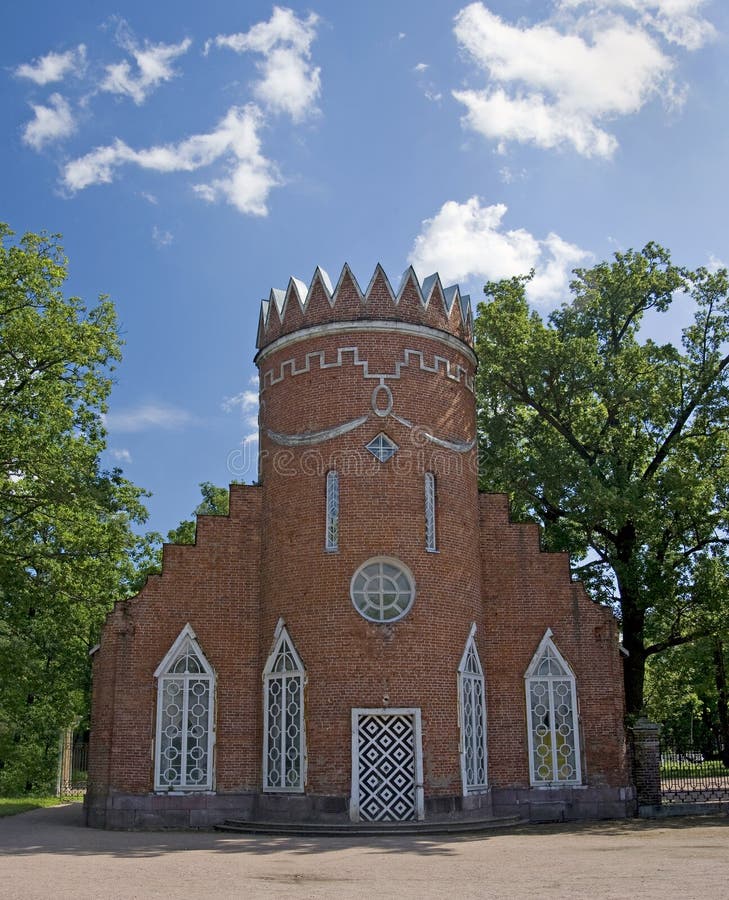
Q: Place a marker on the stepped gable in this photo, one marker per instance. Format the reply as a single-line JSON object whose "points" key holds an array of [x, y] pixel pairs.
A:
{"points": [[428, 303]]}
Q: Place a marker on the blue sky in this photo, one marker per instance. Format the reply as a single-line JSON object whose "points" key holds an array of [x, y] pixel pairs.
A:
{"points": [[196, 155]]}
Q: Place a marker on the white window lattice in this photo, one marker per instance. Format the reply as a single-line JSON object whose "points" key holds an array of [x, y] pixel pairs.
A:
{"points": [[184, 738], [472, 696], [381, 447], [551, 694], [283, 738], [332, 522], [382, 590], [430, 541]]}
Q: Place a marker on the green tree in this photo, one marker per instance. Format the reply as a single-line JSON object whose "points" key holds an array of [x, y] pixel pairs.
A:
{"points": [[65, 522], [614, 443]]}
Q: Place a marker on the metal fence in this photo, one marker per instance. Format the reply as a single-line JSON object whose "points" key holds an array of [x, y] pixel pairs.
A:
{"points": [[72, 766], [693, 775]]}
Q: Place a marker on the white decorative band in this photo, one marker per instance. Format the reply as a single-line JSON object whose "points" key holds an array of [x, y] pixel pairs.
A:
{"points": [[366, 326], [337, 358], [314, 437], [457, 446], [307, 438]]}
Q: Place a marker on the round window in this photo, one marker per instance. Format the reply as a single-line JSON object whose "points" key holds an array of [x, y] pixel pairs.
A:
{"points": [[382, 590]]}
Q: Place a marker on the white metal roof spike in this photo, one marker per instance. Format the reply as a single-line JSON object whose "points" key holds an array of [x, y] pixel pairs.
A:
{"points": [[380, 271], [466, 308], [262, 321], [346, 271], [428, 285], [449, 295], [277, 298], [301, 289], [325, 281], [409, 275]]}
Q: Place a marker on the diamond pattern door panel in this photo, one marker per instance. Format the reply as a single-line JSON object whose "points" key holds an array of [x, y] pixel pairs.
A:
{"points": [[386, 767]]}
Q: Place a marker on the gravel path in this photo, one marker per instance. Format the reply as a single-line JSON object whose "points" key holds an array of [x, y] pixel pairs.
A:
{"points": [[47, 853]]}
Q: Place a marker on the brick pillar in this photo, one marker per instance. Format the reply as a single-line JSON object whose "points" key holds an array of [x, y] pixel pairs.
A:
{"points": [[647, 762]]}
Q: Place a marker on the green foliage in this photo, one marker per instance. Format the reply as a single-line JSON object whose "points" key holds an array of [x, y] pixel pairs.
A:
{"points": [[65, 523], [615, 444]]}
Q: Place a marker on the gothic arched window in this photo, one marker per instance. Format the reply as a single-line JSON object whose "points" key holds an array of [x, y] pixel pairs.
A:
{"points": [[284, 748], [551, 695], [185, 722], [472, 703]]}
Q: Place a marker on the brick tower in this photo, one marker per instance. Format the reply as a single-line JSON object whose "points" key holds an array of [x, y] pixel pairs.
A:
{"points": [[364, 637]]}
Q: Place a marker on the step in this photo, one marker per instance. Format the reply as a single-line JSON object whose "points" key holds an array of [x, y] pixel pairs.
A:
{"points": [[379, 829]]}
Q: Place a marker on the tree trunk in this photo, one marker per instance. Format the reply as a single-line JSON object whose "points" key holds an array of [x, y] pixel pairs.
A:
{"points": [[633, 620], [722, 699]]}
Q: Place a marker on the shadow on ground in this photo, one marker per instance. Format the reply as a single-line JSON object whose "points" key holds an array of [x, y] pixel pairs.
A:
{"points": [[60, 830]]}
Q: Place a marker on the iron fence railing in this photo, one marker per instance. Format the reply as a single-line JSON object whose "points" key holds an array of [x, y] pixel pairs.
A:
{"points": [[693, 775], [72, 781]]}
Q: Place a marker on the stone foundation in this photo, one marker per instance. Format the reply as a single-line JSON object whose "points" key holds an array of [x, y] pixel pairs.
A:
{"points": [[153, 811], [565, 804]]}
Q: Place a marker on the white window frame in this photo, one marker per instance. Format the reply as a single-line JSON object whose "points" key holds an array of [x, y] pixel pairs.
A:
{"points": [[186, 642], [378, 562], [431, 543], [567, 675], [478, 682], [382, 447], [332, 511], [281, 638]]}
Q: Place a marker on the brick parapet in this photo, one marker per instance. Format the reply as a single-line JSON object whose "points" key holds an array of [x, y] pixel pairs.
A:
{"points": [[214, 585], [526, 591], [428, 304]]}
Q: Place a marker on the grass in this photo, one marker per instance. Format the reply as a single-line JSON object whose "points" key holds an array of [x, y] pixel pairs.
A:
{"points": [[11, 806], [705, 769]]}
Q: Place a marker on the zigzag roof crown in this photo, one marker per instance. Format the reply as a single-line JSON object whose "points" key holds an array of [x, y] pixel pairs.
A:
{"points": [[429, 304]]}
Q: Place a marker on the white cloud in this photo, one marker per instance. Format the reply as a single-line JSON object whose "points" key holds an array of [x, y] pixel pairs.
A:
{"points": [[509, 175], [147, 416], [120, 454], [150, 198], [245, 401], [247, 404], [51, 123], [53, 66], [560, 81], [161, 237], [421, 67], [153, 66], [246, 184], [465, 241], [678, 21], [288, 83], [715, 263]]}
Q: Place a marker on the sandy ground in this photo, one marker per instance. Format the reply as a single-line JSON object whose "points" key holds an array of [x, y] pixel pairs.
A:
{"points": [[47, 853]]}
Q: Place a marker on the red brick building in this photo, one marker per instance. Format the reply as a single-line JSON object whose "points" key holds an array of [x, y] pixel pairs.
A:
{"points": [[364, 636]]}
